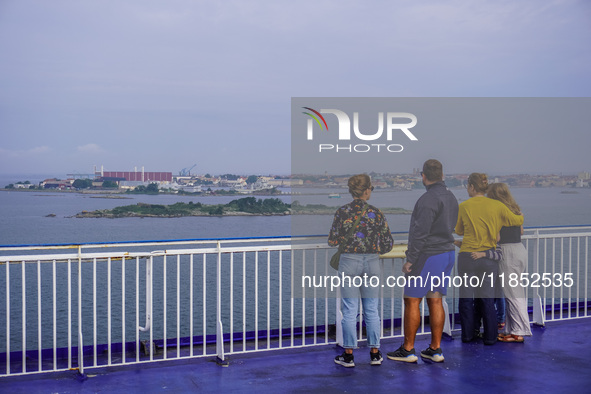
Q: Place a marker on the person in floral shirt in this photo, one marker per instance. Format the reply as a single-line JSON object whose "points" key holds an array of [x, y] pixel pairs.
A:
{"points": [[360, 257]]}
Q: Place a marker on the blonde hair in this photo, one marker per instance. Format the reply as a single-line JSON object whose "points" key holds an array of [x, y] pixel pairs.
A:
{"points": [[500, 192], [479, 181], [358, 184]]}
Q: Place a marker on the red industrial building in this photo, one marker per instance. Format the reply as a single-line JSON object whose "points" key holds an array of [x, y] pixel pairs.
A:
{"points": [[137, 176]]}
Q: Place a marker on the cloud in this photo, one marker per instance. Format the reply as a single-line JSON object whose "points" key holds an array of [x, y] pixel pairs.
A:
{"points": [[38, 150], [17, 153], [90, 148]]}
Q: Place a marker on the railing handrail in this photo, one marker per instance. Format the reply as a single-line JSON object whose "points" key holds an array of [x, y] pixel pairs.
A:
{"points": [[148, 242], [215, 242], [171, 252], [86, 245]]}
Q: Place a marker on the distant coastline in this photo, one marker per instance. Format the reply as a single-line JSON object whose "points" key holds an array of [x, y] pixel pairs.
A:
{"points": [[319, 209], [241, 185]]}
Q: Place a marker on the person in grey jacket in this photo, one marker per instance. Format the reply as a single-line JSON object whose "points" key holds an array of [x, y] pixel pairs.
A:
{"points": [[431, 252]]}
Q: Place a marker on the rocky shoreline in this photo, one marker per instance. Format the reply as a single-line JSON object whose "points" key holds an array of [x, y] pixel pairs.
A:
{"points": [[108, 215], [305, 210]]}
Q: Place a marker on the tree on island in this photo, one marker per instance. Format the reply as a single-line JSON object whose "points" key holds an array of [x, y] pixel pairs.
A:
{"points": [[25, 183], [453, 182], [218, 211], [252, 205], [251, 179], [152, 188], [82, 183], [110, 185]]}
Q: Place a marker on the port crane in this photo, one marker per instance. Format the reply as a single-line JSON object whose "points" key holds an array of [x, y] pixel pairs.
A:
{"points": [[186, 171]]}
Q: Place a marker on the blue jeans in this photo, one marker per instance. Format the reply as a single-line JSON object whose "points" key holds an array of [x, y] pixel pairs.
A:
{"points": [[482, 293], [356, 265]]}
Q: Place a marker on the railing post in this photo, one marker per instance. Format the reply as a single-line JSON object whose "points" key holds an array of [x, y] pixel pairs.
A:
{"points": [[219, 340], [538, 306], [446, 324], [148, 295], [81, 374], [7, 317], [148, 327]]}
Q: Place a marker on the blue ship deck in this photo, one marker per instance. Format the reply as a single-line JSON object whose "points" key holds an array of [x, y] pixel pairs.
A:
{"points": [[556, 359]]}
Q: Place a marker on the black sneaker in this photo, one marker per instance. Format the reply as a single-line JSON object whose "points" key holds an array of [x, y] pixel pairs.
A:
{"points": [[401, 354], [433, 354], [376, 358], [346, 360]]}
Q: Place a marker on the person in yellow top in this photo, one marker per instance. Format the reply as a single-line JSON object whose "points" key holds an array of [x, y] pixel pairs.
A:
{"points": [[480, 220]]}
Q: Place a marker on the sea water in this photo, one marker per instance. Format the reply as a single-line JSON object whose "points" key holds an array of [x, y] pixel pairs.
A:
{"points": [[39, 217]]}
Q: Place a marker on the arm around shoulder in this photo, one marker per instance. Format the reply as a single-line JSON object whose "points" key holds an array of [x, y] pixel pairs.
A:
{"points": [[513, 219]]}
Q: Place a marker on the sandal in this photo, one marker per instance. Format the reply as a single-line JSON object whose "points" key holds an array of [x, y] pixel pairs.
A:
{"points": [[501, 326], [510, 338]]}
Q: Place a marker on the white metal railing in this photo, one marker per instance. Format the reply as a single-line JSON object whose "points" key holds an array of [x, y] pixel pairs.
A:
{"points": [[92, 305], [556, 258]]}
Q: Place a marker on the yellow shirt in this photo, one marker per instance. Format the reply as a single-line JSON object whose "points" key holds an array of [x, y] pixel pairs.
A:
{"points": [[480, 219]]}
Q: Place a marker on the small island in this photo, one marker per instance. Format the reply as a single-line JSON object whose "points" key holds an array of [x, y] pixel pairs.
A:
{"points": [[241, 207]]}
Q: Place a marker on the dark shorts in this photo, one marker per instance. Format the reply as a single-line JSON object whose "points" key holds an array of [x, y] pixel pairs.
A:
{"points": [[426, 267]]}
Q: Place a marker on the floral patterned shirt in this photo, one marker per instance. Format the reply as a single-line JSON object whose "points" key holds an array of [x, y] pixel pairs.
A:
{"points": [[372, 234]]}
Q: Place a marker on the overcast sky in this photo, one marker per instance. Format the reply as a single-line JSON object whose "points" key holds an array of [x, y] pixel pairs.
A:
{"points": [[169, 84]]}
